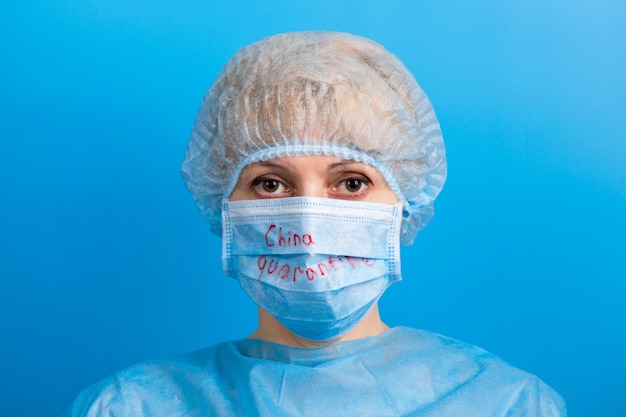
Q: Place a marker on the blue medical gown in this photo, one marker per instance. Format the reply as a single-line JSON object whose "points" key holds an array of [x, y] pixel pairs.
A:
{"points": [[403, 372]]}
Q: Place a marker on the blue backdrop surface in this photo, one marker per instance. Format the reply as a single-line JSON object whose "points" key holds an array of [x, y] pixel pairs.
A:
{"points": [[105, 261]]}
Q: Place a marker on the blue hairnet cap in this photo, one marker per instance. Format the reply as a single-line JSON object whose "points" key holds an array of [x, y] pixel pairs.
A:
{"points": [[327, 93]]}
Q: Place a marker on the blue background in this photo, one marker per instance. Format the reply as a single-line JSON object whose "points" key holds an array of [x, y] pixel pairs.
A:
{"points": [[105, 261]]}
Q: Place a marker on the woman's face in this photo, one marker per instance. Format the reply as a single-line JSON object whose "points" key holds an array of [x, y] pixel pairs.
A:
{"points": [[313, 176]]}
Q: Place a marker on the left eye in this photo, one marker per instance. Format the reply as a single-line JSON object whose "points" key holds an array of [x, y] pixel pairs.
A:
{"points": [[353, 185]]}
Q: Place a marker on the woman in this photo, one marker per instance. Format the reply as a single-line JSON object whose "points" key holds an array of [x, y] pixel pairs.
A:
{"points": [[315, 155]]}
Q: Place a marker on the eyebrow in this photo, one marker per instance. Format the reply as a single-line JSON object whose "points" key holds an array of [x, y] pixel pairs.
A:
{"points": [[345, 163], [267, 164], [253, 168]]}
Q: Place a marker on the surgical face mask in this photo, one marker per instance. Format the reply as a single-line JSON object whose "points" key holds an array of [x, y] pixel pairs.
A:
{"points": [[317, 265]]}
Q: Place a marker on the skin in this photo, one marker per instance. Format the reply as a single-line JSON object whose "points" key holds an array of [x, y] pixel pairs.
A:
{"points": [[313, 176]]}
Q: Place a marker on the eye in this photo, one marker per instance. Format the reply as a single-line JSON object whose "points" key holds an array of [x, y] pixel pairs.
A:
{"points": [[353, 185], [266, 186], [270, 186]]}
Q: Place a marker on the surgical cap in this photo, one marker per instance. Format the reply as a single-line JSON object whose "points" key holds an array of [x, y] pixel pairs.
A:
{"points": [[322, 93]]}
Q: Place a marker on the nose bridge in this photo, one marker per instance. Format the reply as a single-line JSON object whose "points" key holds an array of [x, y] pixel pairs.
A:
{"points": [[310, 180], [311, 185]]}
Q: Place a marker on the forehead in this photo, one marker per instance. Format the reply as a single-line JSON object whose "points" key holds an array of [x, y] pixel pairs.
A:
{"points": [[308, 163]]}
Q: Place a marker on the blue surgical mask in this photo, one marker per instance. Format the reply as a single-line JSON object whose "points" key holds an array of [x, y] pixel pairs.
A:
{"points": [[317, 265]]}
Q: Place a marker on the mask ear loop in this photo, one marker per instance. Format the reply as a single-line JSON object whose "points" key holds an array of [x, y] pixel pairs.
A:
{"points": [[227, 238]]}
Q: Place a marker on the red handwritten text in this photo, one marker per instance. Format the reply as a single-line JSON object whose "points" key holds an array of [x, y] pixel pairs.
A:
{"points": [[275, 237], [285, 270]]}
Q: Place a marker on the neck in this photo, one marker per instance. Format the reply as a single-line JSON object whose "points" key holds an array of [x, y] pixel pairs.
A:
{"points": [[271, 330]]}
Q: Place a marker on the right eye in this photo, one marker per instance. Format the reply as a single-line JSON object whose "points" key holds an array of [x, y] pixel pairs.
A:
{"points": [[268, 186]]}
